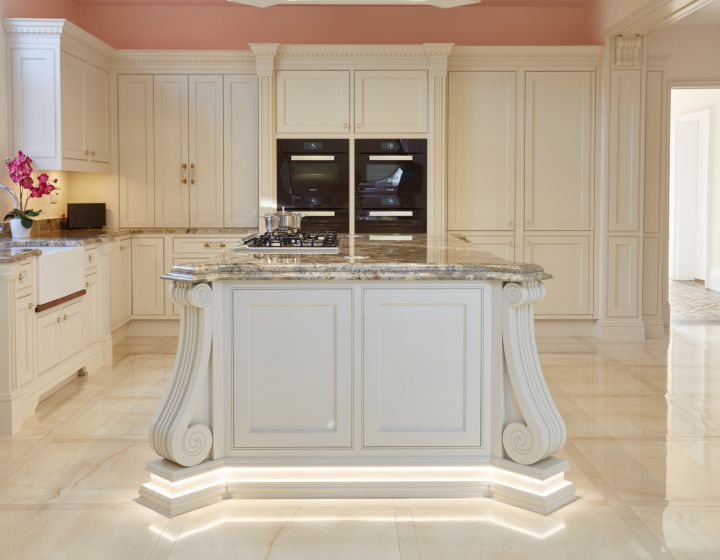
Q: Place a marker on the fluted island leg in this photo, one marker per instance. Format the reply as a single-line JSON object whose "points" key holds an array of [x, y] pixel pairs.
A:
{"points": [[171, 434], [543, 430]]}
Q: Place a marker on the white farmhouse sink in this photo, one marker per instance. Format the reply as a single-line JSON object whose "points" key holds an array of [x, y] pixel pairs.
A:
{"points": [[60, 272]]}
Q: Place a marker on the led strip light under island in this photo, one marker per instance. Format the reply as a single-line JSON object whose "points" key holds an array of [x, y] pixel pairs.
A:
{"points": [[394, 368]]}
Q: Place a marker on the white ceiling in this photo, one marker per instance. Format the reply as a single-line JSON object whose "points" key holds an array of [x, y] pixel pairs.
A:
{"points": [[709, 15]]}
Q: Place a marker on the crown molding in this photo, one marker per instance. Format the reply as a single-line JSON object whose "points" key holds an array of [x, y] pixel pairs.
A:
{"points": [[526, 55], [204, 62], [657, 60], [34, 26]]}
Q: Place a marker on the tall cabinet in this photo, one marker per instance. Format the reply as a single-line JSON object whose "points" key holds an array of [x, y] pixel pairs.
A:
{"points": [[187, 147], [521, 147]]}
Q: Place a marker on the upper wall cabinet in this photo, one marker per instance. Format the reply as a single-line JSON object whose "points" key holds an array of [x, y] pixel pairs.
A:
{"points": [[481, 151], [559, 150], [313, 102], [391, 101], [318, 102], [61, 103]]}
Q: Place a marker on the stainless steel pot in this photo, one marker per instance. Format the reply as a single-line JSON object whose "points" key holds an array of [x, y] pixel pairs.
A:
{"points": [[283, 221]]}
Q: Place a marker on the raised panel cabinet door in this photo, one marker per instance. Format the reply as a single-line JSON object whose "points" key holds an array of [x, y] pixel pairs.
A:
{"points": [[559, 150], [391, 101], [74, 125], [424, 353], [148, 293], [48, 338], [91, 309], [299, 397], [124, 291], [170, 105], [312, 102], [97, 105], [481, 151], [206, 151], [35, 104], [136, 165], [569, 259], [24, 341], [71, 329], [241, 151], [500, 246]]}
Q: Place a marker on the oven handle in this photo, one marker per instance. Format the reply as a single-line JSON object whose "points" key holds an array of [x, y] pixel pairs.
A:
{"points": [[318, 213], [391, 158], [391, 213], [312, 158]]}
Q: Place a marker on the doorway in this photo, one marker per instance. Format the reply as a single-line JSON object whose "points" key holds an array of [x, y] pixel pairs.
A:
{"points": [[694, 238]]}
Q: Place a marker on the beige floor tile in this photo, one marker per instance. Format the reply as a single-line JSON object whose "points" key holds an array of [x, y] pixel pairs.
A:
{"points": [[688, 532]]}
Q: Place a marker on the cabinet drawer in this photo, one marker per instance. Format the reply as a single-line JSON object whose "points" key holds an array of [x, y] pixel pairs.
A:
{"points": [[91, 258], [24, 279], [202, 244]]}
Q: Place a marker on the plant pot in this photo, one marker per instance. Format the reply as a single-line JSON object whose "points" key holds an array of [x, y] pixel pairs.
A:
{"points": [[18, 230]]}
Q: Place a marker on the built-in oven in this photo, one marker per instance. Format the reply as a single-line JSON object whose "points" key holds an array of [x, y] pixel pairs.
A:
{"points": [[391, 186], [313, 177]]}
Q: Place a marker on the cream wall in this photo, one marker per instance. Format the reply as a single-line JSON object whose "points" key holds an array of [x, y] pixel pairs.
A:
{"points": [[692, 49], [98, 187]]}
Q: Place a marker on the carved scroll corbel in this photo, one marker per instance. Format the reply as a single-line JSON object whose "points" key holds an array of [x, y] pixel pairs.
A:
{"points": [[171, 434], [543, 432]]}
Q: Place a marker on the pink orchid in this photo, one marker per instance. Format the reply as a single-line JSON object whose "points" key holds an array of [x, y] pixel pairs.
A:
{"points": [[21, 170]]}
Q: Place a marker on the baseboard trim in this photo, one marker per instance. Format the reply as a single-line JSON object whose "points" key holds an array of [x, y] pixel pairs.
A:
{"points": [[149, 327], [628, 331], [565, 328]]}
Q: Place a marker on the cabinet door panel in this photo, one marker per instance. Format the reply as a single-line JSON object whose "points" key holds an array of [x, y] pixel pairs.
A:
{"points": [[171, 151], [136, 151], [481, 151], [206, 151], [423, 355], [97, 99], [241, 151], [71, 329], [48, 337], [559, 148], [91, 311], [313, 101], [148, 294], [24, 338], [568, 259], [299, 397], [501, 246], [74, 125], [390, 101], [35, 117]]}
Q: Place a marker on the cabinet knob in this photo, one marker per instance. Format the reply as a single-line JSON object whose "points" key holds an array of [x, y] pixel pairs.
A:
{"points": [[222, 244], [65, 317], [92, 153], [122, 247], [30, 305], [206, 245], [21, 277], [59, 319], [87, 284], [87, 152], [91, 258]]}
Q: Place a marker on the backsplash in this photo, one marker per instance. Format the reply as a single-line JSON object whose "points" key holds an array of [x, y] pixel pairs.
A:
{"points": [[40, 227]]}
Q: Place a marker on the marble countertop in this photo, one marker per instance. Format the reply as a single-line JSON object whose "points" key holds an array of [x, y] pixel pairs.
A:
{"points": [[14, 250], [422, 258]]}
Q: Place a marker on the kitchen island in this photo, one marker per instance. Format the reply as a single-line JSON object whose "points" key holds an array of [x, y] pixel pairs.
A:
{"points": [[399, 367]]}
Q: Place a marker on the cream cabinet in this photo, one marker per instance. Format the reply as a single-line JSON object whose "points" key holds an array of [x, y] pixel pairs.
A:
{"points": [[48, 330], [91, 312], [136, 151], [313, 102], [497, 245], [241, 151], [61, 109], [569, 259], [120, 283], [148, 294], [390, 101], [424, 356], [24, 340], [481, 151], [300, 397], [71, 329], [559, 150]]}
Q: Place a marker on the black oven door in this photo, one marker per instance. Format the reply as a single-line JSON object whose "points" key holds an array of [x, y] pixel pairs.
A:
{"points": [[313, 174], [387, 182]]}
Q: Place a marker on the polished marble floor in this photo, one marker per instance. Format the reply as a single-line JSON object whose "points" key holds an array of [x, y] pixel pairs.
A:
{"points": [[690, 302], [644, 445]]}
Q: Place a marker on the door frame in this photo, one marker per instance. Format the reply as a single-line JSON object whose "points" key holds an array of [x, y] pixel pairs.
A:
{"points": [[669, 85], [703, 118]]}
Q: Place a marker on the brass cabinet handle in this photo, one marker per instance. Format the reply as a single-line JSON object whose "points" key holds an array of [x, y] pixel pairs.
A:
{"points": [[30, 305], [59, 319], [192, 173], [87, 284], [222, 244], [65, 317], [92, 153], [87, 152], [183, 167], [91, 258], [207, 244]]}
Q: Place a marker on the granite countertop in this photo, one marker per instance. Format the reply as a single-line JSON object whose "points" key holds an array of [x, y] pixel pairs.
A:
{"points": [[14, 250], [422, 258]]}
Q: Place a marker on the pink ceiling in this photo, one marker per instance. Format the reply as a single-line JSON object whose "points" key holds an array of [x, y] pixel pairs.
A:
{"points": [[218, 24]]}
